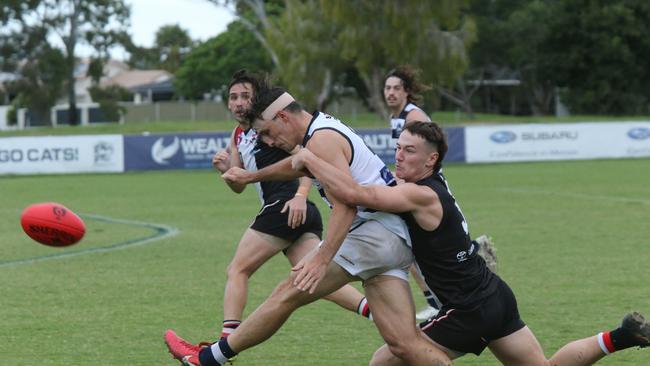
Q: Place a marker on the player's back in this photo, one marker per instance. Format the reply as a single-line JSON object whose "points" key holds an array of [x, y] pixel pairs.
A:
{"points": [[365, 168]]}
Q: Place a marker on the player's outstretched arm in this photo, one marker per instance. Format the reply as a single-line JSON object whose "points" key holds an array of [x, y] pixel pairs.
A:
{"points": [[401, 198], [279, 171]]}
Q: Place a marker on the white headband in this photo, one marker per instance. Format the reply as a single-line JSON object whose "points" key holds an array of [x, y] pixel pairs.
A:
{"points": [[279, 104]]}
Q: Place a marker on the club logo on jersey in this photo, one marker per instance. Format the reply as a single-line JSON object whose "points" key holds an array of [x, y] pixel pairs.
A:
{"points": [[503, 137], [639, 133], [462, 256]]}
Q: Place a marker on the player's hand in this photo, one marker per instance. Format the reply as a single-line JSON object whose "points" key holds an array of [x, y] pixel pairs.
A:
{"points": [[310, 271], [221, 161], [297, 207], [299, 158], [237, 175]]}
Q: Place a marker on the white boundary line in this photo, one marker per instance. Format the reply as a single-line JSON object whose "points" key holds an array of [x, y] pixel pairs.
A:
{"points": [[161, 232]]}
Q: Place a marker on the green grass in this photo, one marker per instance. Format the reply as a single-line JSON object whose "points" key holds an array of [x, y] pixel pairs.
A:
{"points": [[362, 120], [572, 241]]}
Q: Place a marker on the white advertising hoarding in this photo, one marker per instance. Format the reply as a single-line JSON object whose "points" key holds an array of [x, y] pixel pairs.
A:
{"points": [[61, 154], [574, 141]]}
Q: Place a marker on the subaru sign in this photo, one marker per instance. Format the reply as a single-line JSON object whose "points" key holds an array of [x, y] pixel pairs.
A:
{"points": [[503, 137], [639, 133]]}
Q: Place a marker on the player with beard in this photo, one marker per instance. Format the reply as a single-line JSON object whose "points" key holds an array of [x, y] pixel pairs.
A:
{"points": [[287, 221]]}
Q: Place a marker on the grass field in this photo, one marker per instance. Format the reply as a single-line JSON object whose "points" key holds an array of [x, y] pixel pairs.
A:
{"points": [[572, 241]]}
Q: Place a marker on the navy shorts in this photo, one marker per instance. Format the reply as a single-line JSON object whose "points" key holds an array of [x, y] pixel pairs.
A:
{"points": [[271, 221], [469, 330]]}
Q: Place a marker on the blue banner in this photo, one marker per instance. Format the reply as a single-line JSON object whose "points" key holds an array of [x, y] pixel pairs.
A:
{"points": [[195, 150], [381, 142], [173, 151]]}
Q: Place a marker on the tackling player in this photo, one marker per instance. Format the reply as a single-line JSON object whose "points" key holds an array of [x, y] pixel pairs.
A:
{"points": [[479, 309]]}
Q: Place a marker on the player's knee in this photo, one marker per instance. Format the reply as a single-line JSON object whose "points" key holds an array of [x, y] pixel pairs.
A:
{"points": [[285, 294], [382, 356], [236, 272], [399, 347]]}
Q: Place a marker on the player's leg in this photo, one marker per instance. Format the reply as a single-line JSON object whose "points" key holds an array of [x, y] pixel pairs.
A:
{"points": [[633, 332], [393, 311], [432, 307], [270, 316], [519, 348], [347, 296], [253, 251]]}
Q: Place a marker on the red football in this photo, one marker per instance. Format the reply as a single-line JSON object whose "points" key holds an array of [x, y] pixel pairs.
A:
{"points": [[52, 224]]}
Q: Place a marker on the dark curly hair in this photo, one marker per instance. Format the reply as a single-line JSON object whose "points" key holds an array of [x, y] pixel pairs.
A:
{"points": [[244, 76], [412, 85], [434, 135]]}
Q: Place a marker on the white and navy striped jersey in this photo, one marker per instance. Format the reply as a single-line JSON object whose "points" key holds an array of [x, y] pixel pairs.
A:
{"points": [[397, 123], [254, 155], [365, 168]]}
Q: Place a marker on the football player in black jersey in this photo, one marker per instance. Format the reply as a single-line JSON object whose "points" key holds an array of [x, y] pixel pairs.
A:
{"points": [[478, 308]]}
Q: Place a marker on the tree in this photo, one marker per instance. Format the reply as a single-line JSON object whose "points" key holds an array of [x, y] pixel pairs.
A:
{"points": [[171, 45], [256, 16], [98, 23], [378, 35], [304, 45], [209, 67], [41, 83], [596, 51]]}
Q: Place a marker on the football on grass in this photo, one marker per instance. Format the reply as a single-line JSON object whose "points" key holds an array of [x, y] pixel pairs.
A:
{"points": [[52, 224]]}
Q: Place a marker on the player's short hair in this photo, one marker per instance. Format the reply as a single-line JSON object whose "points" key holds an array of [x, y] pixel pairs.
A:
{"points": [[244, 76], [410, 80], [266, 95], [433, 134]]}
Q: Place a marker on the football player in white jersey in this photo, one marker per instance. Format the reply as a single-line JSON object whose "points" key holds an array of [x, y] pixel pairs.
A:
{"points": [[483, 313], [287, 222], [360, 244]]}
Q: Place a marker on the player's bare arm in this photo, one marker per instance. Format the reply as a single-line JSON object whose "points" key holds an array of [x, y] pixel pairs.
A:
{"points": [[234, 161], [333, 148], [279, 171], [297, 206], [406, 197]]}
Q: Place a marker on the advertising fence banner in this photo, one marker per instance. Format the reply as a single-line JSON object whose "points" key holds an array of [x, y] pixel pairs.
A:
{"points": [[475, 144], [61, 154], [381, 142], [173, 151], [539, 142]]}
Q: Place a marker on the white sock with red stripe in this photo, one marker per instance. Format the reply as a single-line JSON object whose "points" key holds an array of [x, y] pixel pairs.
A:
{"points": [[363, 309], [605, 343], [229, 326]]}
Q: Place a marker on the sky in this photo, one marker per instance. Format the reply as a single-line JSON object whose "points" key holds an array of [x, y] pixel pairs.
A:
{"points": [[200, 18]]}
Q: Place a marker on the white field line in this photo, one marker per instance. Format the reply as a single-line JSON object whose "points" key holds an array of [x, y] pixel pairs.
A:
{"points": [[161, 232]]}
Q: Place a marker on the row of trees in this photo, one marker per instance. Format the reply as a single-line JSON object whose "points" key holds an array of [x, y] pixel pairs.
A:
{"points": [[591, 53]]}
